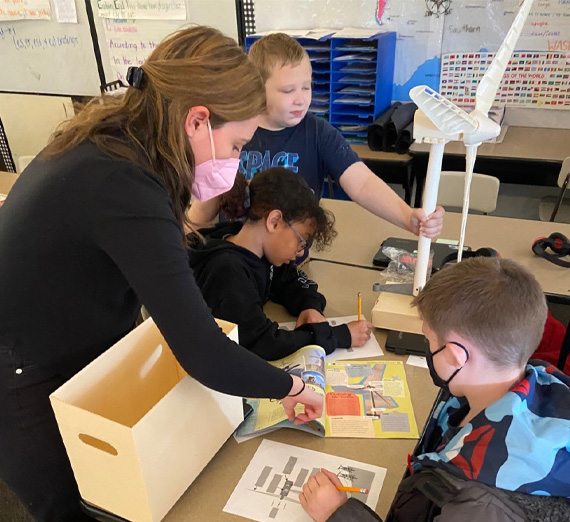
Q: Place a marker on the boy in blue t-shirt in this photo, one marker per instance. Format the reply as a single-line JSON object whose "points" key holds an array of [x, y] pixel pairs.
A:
{"points": [[288, 136]]}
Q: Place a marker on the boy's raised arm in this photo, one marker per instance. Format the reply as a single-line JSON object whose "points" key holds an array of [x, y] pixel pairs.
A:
{"points": [[372, 193]]}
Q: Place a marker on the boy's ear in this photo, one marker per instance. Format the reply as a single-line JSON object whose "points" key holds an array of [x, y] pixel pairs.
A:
{"points": [[272, 221], [196, 118], [457, 355]]}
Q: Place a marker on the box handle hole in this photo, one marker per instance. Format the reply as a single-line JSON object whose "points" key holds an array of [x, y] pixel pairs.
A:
{"points": [[98, 444]]}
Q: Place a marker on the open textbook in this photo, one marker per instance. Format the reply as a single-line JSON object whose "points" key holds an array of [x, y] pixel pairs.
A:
{"points": [[363, 399]]}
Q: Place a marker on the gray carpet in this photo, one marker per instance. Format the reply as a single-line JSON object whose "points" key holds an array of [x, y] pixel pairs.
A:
{"points": [[11, 509]]}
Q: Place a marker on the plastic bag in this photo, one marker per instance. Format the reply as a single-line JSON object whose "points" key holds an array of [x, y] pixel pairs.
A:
{"points": [[402, 266]]}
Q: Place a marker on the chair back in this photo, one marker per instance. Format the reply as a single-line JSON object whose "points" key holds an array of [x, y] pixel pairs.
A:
{"points": [[564, 171], [483, 195]]}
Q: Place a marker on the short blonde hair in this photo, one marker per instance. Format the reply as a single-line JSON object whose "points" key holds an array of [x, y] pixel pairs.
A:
{"points": [[277, 49], [494, 303]]}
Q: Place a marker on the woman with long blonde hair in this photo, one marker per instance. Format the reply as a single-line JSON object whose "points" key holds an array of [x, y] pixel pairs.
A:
{"points": [[94, 228]]}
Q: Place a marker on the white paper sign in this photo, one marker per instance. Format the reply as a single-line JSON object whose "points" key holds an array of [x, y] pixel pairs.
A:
{"points": [[415, 360], [65, 11]]}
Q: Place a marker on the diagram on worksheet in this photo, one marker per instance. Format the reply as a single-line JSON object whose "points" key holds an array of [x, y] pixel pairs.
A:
{"points": [[269, 489]]}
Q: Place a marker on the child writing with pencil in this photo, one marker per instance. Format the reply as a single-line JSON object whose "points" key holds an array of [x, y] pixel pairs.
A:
{"points": [[291, 137], [242, 265], [497, 448]]}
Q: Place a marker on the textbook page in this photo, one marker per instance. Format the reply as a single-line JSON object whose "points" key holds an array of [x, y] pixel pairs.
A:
{"points": [[370, 349], [368, 399], [362, 399], [270, 486], [308, 363]]}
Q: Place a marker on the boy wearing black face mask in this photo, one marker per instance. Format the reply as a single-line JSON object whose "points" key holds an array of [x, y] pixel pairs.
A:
{"points": [[497, 446]]}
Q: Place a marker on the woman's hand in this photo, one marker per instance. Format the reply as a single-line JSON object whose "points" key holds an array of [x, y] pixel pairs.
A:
{"points": [[310, 316], [429, 226], [320, 498], [360, 332], [312, 401]]}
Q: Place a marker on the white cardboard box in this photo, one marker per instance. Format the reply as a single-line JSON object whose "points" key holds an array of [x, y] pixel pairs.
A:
{"points": [[7, 179], [137, 429]]}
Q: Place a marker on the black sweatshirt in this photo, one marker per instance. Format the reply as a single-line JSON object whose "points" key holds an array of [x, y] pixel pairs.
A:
{"points": [[236, 283], [84, 239]]}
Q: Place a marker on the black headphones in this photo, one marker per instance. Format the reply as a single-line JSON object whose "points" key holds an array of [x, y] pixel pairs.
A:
{"points": [[558, 243], [481, 252]]}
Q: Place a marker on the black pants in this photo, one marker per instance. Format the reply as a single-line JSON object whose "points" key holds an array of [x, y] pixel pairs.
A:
{"points": [[33, 461]]}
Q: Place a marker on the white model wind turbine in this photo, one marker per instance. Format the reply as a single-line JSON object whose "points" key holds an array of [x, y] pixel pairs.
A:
{"points": [[438, 121]]}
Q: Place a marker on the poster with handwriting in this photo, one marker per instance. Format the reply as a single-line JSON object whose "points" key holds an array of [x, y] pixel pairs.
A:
{"points": [[25, 10], [129, 42], [143, 9]]}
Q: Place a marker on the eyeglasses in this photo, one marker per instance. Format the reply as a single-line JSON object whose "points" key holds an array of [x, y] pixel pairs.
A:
{"points": [[303, 243]]}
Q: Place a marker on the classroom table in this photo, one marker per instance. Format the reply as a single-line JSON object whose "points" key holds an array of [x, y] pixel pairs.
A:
{"points": [[527, 155], [360, 234], [205, 498]]}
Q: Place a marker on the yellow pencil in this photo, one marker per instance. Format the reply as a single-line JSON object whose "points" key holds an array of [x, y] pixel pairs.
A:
{"points": [[359, 306], [353, 490]]}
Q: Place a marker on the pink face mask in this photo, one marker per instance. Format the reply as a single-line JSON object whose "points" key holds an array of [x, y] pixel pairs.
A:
{"points": [[214, 177]]}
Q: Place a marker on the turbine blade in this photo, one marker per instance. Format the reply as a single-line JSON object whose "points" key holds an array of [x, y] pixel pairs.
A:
{"points": [[489, 84], [444, 114]]}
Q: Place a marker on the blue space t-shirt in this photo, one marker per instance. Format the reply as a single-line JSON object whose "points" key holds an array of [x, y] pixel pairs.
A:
{"points": [[313, 148]]}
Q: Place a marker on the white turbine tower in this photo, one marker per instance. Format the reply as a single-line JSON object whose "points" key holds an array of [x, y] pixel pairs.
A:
{"points": [[438, 121]]}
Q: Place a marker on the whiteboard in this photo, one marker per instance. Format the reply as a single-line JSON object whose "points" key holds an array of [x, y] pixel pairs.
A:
{"points": [[47, 57], [125, 42]]}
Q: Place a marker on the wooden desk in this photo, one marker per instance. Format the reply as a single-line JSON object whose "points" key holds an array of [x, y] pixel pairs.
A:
{"points": [[360, 234], [389, 166], [207, 496], [526, 155], [529, 143]]}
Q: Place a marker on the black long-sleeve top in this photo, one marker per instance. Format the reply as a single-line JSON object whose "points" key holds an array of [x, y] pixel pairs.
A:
{"points": [[236, 283], [84, 240]]}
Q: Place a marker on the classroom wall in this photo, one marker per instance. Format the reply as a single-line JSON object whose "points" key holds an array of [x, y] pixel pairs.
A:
{"points": [[29, 121], [37, 66], [427, 31]]}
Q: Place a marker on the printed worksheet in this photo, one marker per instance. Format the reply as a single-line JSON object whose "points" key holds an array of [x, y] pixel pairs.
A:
{"points": [[269, 489], [370, 349]]}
